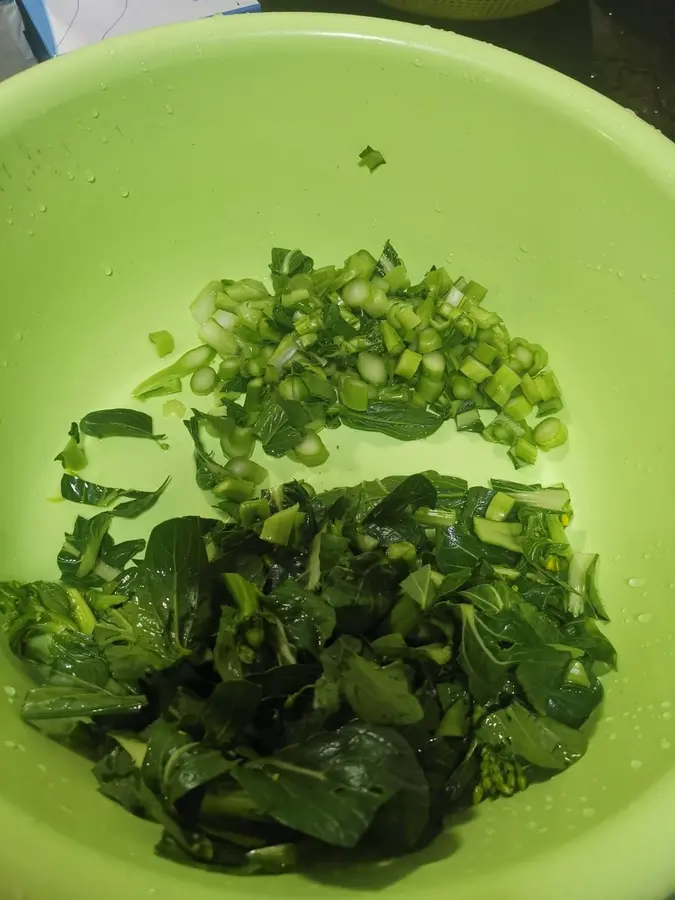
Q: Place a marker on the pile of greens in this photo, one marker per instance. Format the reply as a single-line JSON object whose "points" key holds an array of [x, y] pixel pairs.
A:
{"points": [[323, 677], [360, 345]]}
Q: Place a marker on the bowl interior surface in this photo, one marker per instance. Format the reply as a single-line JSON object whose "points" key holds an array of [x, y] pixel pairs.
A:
{"points": [[134, 172]]}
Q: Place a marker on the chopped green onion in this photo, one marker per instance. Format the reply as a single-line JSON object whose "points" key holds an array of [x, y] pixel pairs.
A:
{"points": [[468, 418], [548, 386], [518, 408], [173, 408], [549, 434], [163, 341], [372, 368], [522, 358], [501, 385], [435, 518], [408, 363], [203, 380], [377, 303], [404, 551], [229, 368], [356, 293], [531, 389], [251, 511], [475, 370], [499, 534], [499, 507], [428, 340], [242, 467], [485, 353], [549, 407], [404, 316], [237, 441], [429, 389], [310, 451], [362, 263], [391, 338], [503, 430], [235, 489], [354, 393], [523, 453], [474, 292], [204, 305], [293, 388], [462, 388], [434, 365], [223, 342], [277, 529]]}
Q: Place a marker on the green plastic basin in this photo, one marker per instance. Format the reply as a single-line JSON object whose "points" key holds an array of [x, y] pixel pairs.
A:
{"points": [[135, 171]]}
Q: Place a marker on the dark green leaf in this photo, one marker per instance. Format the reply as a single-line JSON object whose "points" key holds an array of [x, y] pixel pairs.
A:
{"points": [[174, 764], [539, 740], [331, 786], [307, 619], [120, 423], [379, 695], [230, 708], [396, 420], [78, 490], [54, 702], [176, 555], [209, 472]]}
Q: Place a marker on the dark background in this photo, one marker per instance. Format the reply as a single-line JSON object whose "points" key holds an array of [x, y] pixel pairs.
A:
{"points": [[624, 48]]}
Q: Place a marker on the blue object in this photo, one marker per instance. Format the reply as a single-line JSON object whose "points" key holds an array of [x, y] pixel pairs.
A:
{"points": [[36, 14]]}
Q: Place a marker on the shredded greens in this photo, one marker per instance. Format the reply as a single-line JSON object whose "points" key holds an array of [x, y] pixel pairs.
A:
{"points": [[361, 345], [317, 678]]}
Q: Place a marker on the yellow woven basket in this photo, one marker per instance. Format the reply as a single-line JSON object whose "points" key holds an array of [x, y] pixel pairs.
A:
{"points": [[469, 9]]}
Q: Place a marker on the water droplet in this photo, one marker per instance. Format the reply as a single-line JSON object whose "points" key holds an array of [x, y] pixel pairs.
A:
{"points": [[644, 276], [42, 207], [9, 690], [637, 582], [643, 618], [95, 114], [665, 744], [10, 221], [18, 336], [169, 109], [108, 271], [41, 767], [523, 248], [588, 812], [89, 175], [667, 716], [619, 274], [124, 192], [666, 704], [612, 736], [418, 63], [636, 764], [10, 745], [70, 176], [4, 363], [104, 86]]}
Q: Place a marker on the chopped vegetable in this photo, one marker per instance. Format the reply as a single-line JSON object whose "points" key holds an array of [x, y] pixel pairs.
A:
{"points": [[322, 677], [73, 457], [372, 159], [360, 345], [163, 342]]}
